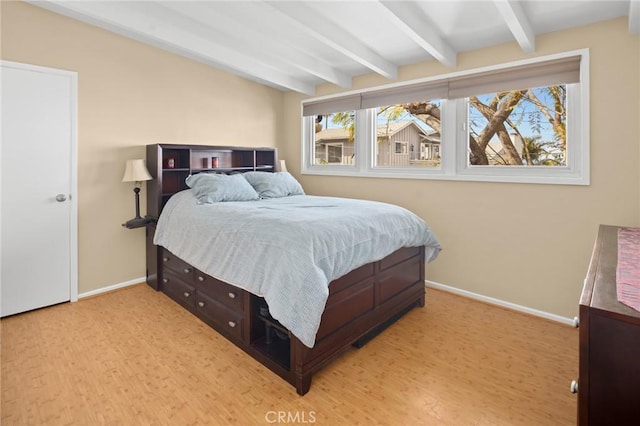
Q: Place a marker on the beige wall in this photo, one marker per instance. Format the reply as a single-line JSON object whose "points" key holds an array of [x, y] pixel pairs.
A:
{"points": [[522, 243], [131, 95]]}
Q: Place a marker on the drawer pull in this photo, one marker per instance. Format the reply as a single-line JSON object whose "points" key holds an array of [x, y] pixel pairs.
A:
{"points": [[186, 294], [201, 304], [165, 259], [576, 322], [200, 278], [232, 324], [165, 280], [574, 386], [232, 295], [186, 270]]}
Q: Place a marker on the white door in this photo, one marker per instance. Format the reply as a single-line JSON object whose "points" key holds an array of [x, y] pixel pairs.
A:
{"points": [[38, 187]]}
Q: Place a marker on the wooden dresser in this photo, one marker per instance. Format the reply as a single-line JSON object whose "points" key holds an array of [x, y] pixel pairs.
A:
{"points": [[609, 384]]}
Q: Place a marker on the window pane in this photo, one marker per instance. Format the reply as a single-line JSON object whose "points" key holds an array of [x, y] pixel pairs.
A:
{"points": [[334, 138], [520, 127], [408, 135]]}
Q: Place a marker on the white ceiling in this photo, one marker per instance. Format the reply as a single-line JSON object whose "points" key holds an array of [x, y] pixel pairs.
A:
{"points": [[296, 45]]}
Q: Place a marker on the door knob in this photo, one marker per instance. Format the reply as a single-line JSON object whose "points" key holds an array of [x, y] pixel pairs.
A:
{"points": [[574, 386], [61, 198]]}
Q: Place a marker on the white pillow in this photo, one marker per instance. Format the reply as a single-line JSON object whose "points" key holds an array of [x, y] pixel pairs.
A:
{"points": [[214, 188], [274, 185]]}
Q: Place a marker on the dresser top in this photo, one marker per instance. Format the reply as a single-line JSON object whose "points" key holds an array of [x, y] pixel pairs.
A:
{"points": [[600, 285]]}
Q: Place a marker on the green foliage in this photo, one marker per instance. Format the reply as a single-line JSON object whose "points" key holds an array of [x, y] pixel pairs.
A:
{"points": [[347, 121]]}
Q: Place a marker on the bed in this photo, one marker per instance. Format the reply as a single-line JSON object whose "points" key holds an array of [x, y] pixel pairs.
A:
{"points": [[294, 280]]}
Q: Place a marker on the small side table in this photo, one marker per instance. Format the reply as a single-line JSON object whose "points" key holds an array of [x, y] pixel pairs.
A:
{"points": [[139, 222]]}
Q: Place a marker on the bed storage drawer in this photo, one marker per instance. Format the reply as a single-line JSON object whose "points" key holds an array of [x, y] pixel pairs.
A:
{"points": [[228, 295], [178, 290], [177, 265], [221, 318]]}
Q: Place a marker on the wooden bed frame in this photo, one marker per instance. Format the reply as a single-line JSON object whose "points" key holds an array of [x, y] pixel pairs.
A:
{"points": [[360, 304]]}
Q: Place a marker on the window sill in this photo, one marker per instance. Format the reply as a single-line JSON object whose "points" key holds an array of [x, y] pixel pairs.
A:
{"points": [[466, 177]]}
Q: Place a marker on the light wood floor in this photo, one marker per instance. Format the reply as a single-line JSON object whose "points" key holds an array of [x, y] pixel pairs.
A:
{"points": [[134, 357]]}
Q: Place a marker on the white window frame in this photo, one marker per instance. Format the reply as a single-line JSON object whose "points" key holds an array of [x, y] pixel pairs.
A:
{"points": [[454, 138], [308, 150], [576, 171]]}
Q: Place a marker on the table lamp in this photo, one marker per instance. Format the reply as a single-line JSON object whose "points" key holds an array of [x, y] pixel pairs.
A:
{"points": [[136, 171]]}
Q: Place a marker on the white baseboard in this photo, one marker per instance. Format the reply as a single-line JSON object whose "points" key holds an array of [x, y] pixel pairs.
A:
{"points": [[112, 287], [432, 284], [498, 302]]}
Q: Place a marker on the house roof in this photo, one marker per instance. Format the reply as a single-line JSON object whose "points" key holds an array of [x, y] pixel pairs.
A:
{"points": [[332, 134], [393, 128]]}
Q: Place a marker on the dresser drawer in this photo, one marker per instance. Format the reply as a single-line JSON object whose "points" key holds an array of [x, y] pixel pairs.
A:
{"points": [[178, 290], [228, 295], [223, 319], [177, 265]]}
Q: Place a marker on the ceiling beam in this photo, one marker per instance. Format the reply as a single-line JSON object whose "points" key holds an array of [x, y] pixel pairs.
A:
{"points": [[409, 20], [634, 16], [518, 23], [276, 52], [336, 37], [141, 22]]}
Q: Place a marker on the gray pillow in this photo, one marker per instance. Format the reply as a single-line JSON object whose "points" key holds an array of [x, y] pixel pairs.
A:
{"points": [[214, 188], [274, 185]]}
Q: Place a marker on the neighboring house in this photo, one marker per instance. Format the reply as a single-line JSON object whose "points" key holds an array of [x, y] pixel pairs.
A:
{"points": [[405, 143], [334, 147], [495, 151], [399, 144]]}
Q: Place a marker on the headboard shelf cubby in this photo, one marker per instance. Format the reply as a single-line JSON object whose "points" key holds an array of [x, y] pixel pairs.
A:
{"points": [[170, 164]]}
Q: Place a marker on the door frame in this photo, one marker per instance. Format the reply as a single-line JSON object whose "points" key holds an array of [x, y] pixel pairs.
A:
{"points": [[73, 164]]}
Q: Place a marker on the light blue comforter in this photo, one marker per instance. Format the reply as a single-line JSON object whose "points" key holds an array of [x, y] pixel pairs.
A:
{"points": [[288, 249]]}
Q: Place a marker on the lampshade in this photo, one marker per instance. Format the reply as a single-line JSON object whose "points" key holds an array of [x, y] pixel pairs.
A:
{"points": [[136, 171]]}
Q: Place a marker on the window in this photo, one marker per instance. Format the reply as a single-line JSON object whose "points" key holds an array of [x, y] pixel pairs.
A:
{"points": [[531, 134], [404, 139], [333, 138], [519, 122]]}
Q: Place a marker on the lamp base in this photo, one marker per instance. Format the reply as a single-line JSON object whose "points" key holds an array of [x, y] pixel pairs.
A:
{"points": [[137, 222]]}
